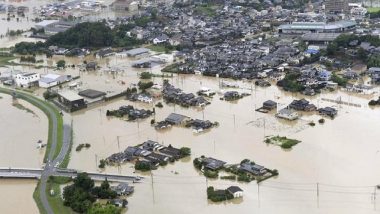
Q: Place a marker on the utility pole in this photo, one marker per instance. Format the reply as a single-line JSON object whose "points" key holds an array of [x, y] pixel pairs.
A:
{"points": [[118, 143], [203, 114], [258, 194], [317, 194], [374, 197], [151, 176], [234, 121], [96, 161]]}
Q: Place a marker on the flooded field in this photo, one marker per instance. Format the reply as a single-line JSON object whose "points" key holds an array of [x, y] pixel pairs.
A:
{"points": [[22, 126], [16, 196]]}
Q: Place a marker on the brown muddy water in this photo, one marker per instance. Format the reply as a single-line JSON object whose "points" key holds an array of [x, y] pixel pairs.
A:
{"points": [[16, 196], [20, 129], [333, 170]]}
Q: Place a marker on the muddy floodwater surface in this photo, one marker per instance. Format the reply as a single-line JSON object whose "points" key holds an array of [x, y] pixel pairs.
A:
{"points": [[333, 170]]}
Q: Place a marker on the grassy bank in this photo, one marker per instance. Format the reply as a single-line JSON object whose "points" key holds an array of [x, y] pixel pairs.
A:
{"points": [[55, 200], [66, 160], [36, 197]]}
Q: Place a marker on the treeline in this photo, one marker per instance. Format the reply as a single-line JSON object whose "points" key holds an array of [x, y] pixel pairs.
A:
{"points": [[88, 34]]}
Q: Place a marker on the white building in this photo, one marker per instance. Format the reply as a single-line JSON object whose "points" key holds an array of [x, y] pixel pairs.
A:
{"points": [[145, 98], [287, 114], [50, 80], [26, 79]]}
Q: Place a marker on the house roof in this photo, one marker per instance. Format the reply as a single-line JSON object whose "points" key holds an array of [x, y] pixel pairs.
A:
{"points": [[70, 95], [137, 51], [270, 103], [176, 118], [45, 23], [90, 93], [318, 25], [234, 189]]}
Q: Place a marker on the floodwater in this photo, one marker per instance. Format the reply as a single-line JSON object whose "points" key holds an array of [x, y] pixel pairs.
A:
{"points": [[333, 169], [339, 158], [16, 196], [20, 130]]}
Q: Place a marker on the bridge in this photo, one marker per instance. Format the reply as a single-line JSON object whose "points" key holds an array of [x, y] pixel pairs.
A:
{"points": [[30, 173]]}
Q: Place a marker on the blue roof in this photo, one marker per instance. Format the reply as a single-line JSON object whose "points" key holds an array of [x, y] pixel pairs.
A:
{"points": [[312, 51]]}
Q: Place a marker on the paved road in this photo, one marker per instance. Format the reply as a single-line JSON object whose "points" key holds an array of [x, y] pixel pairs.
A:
{"points": [[37, 173]]}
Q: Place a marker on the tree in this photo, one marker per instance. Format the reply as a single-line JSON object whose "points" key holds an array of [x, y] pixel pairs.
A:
{"points": [[144, 85], [104, 191], [145, 75], [102, 161], [185, 151], [87, 34], [61, 63]]}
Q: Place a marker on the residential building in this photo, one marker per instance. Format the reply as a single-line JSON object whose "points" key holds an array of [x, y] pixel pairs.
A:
{"points": [[235, 191], [288, 114], [71, 101]]}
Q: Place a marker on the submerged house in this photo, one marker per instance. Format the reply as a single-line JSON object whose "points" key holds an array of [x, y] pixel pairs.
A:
{"points": [[328, 111], [176, 119], [123, 189], [269, 105], [71, 101], [252, 168], [235, 191], [288, 114], [302, 105], [213, 164]]}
